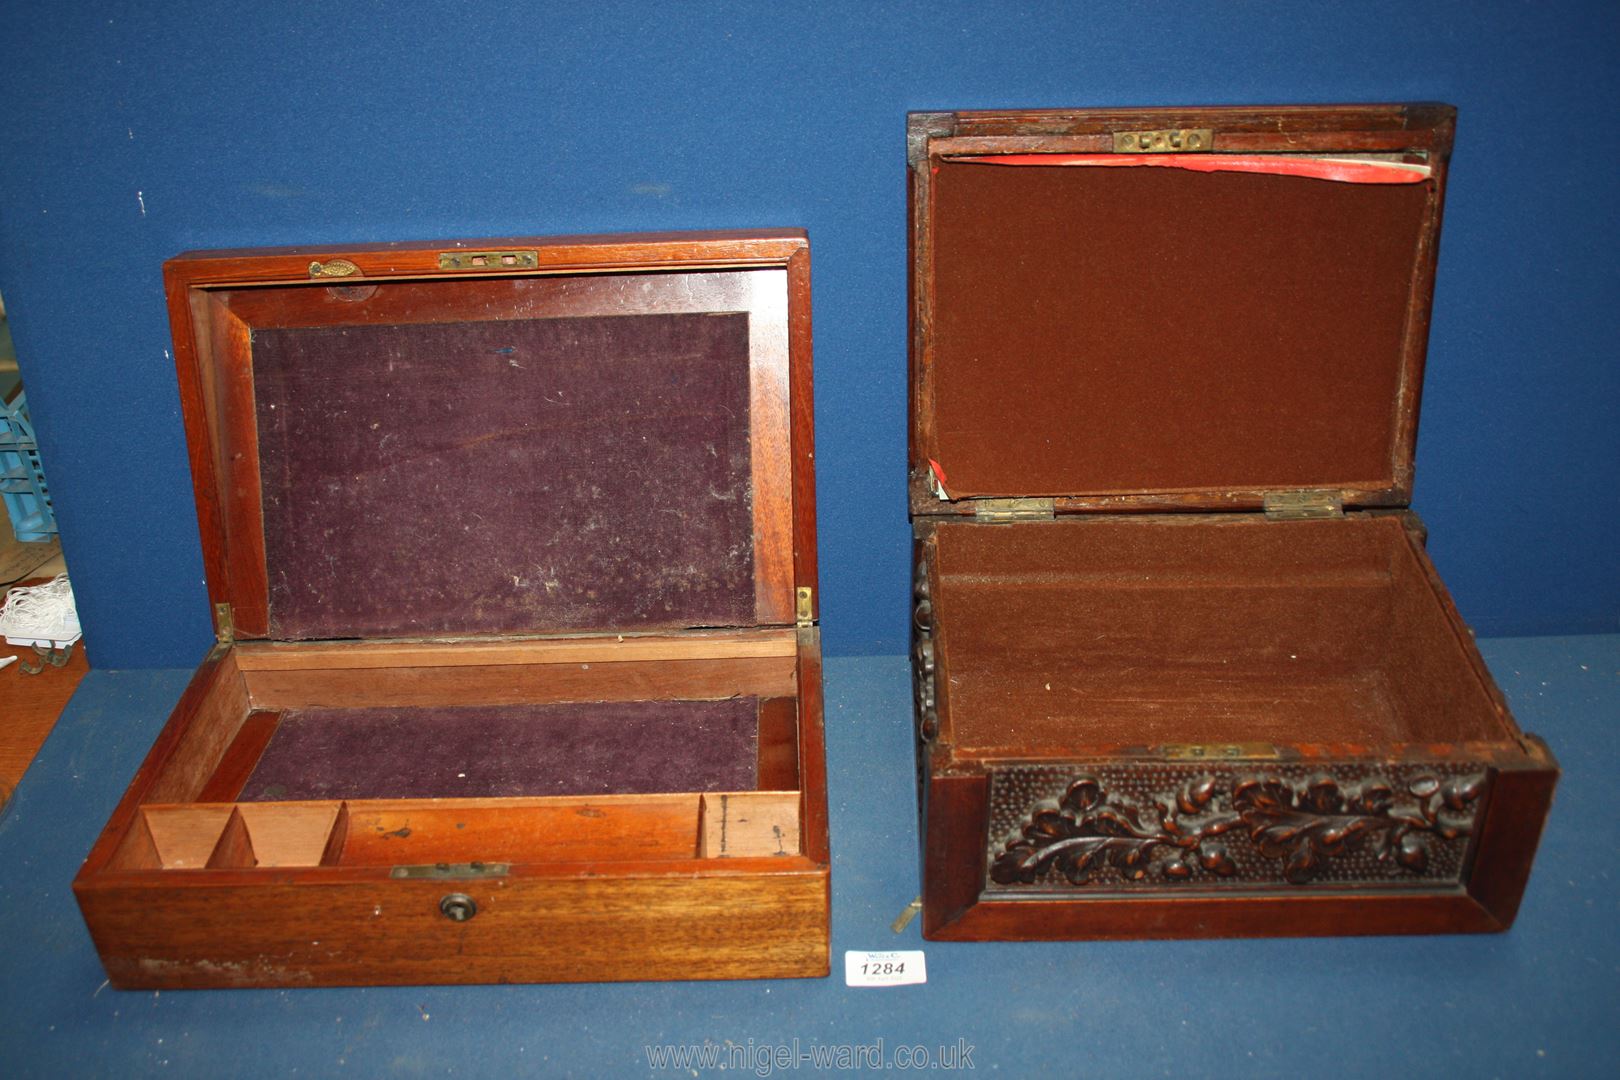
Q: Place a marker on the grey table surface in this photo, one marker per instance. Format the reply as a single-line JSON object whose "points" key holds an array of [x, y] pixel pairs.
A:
{"points": [[1539, 1000]]}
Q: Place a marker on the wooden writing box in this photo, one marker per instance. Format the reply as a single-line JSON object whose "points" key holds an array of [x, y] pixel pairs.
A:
{"points": [[1183, 666], [512, 552]]}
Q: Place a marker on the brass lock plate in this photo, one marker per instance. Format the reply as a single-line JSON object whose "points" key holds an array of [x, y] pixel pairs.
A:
{"points": [[452, 871], [1219, 751], [488, 260]]}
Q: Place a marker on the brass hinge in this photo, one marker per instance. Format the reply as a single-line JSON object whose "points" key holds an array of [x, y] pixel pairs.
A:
{"points": [[996, 510], [804, 606], [1303, 505], [1165, 141], [224, 627]]}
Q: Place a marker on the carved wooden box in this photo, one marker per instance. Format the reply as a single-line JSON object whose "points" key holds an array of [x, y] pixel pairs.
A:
{"points": [[511, 546], [1183, 667]]}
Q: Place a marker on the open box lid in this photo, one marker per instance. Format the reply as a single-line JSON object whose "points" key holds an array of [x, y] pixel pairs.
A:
{"points": [[506, 437], [1205, 308]]}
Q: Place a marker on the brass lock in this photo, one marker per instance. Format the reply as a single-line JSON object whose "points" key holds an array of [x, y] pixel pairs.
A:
{"points": [[458, 907]]}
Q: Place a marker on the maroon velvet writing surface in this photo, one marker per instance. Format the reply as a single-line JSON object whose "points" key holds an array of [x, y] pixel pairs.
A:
{"points": [[507, 751], [1124, 330], [508, 476]]}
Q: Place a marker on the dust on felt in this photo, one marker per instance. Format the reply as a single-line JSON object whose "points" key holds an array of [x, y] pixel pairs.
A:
{"points": [[575, 748], [636, 569]]}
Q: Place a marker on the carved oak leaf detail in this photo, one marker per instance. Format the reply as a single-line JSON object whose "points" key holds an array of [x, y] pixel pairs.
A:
{"points": [[1085, 830], [1302, 825], [1323, 820], [922, 656]]}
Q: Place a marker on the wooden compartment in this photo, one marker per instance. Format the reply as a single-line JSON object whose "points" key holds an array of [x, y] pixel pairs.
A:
{"points": [[511, 547], [1183, 666], [1198, 629]]}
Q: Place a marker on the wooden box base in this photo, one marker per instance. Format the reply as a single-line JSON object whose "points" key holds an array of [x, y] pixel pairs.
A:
{"points": [[511, 550], [191, 886], [1210, 725]]}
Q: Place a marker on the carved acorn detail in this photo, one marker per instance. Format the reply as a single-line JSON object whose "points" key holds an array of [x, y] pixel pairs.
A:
{"points": [[1184, 834]]}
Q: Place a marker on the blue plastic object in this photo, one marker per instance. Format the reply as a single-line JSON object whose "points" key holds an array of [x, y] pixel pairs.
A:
{"points": [[22, 478]]}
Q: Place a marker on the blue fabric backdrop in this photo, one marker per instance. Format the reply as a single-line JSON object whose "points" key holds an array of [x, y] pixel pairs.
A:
{"points": [[129, 132]]}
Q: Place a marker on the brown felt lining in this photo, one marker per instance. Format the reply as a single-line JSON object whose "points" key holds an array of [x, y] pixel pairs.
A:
{"points": [[1123, 330], [506, 751], [522, 475], [1144, 632]]}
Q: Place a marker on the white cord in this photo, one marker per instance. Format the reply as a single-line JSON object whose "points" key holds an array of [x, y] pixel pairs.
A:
{"points": [[41, 614]]}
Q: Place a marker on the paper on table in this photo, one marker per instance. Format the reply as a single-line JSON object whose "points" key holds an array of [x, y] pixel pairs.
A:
{"points": [[42, 615]]}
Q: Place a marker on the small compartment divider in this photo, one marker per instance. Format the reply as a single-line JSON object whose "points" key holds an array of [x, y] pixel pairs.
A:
{"points": [[395, 833], [332, 854], [289, 834], [235, 848], [745, 824], [184, 837], [232, 836]]}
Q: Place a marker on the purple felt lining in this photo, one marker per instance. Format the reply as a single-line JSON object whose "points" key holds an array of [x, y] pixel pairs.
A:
{"points": [[591, 748], [511, 476]]}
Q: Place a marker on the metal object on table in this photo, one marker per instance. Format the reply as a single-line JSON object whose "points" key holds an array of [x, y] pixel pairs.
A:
{"points": [[48, 654]]}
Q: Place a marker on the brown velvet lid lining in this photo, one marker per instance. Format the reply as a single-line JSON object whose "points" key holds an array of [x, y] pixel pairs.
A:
{"points": [[508, 476], [1133, 330]]}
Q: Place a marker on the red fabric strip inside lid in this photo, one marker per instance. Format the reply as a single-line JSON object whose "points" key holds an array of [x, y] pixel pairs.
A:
{"points": [[1343, 170]]}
